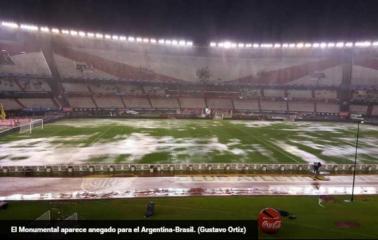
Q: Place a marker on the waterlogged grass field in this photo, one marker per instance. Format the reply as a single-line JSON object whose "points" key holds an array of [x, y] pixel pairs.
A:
{"points": [[182, 141]]}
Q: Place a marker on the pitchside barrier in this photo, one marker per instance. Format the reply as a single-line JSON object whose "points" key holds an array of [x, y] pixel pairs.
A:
{"points": [[84, 169]]}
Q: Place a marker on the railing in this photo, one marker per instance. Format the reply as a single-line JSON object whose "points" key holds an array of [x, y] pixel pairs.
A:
{"points": [[186, 168]]}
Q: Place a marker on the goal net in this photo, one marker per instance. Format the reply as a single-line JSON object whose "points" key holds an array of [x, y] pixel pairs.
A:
{"points": [[28, 126]]}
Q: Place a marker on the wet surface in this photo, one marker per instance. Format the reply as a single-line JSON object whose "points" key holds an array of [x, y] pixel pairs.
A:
{"points": [[17, 188]]}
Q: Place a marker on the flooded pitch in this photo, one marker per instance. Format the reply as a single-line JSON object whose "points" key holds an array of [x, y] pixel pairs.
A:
{"points": [[183, 141]]}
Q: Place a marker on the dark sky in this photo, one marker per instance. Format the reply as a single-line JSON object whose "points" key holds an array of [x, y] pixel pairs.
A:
{"points": [[205, 20]]}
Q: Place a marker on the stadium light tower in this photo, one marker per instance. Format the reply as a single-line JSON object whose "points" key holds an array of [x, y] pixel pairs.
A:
{"points": [[355, 159]]}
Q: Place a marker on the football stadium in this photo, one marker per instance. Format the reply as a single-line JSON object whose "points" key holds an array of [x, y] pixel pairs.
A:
{"points": [[97, 124]]}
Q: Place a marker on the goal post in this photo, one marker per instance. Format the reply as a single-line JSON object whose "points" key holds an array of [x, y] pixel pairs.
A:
{"points": [[28, 127]]}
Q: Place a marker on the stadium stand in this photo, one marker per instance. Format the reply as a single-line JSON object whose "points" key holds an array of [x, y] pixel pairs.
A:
{"points": [[9, 85], [250, 93], [301, 106], [37, 102], [325, 94], [128, 89], [322, 77], [280, 106], [103, 88], [299, 94], [364, 76], [165, 103], [359, 95], [219, 103], [32, 63], [252, 105], [189, 102], [274, 93], [154, 91], [137, 102], [375, 110], [34, 85], [71, 69], [75, 88], [358, 109], [85, 73], [10, 104], [81, 102], [109, 102], [327, 107]]}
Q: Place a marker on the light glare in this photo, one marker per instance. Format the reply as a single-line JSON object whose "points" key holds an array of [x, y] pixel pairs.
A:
{"points": [[29, 27], [9, 24]]}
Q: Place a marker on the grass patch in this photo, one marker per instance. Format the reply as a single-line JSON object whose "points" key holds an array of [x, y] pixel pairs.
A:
{"points": [[98, 159], [157, 157], [121, 158]]}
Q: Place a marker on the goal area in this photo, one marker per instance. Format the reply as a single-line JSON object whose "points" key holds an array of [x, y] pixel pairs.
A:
{"points": [[27, 127]]}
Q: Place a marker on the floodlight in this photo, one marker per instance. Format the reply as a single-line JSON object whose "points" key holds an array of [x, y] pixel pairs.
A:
{"points": [[182, 43], [45, 29], [331, 44], [266, 45], [226, 44], [363, 44], [340, 44], [9, 24], [29, 27]]}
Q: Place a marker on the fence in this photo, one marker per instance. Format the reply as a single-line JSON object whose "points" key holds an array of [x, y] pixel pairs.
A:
{"points": [[187, 168]]}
